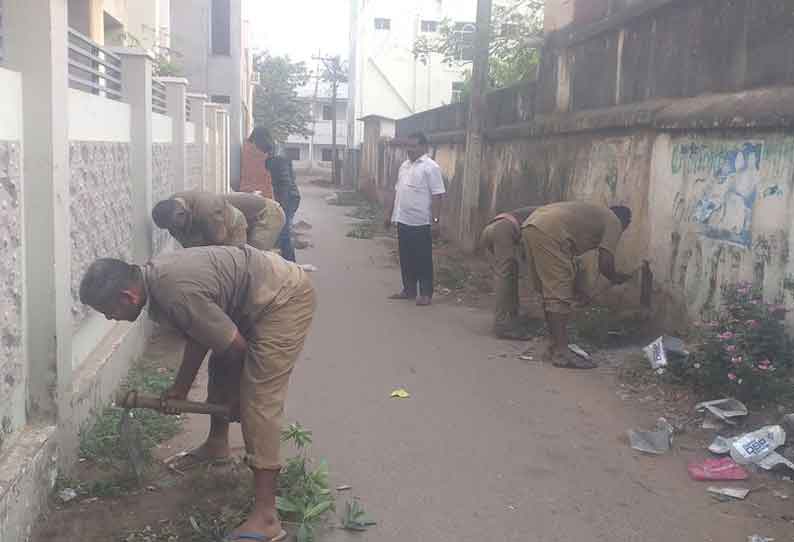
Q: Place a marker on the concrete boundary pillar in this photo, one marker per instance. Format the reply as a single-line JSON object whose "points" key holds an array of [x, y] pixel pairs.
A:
{"points": [[137, 92], [198, 116], [176, 100], [36, 46]]}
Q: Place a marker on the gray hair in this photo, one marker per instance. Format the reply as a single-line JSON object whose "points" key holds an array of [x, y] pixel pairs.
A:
{"points": [[104, 281]]}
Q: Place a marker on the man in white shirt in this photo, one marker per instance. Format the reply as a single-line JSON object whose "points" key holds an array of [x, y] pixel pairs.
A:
{"points": [[416, 210]]}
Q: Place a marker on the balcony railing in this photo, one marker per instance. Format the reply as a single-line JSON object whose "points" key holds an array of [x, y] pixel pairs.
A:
{"points": [[158, 97], [92, 68], [188, 111]]}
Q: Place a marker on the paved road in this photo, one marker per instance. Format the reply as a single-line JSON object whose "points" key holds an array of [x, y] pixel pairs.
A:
{"points": [[486, 448]]}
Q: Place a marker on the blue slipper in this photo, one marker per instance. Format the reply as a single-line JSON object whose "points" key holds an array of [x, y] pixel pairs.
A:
{"points": [[256, 537]]}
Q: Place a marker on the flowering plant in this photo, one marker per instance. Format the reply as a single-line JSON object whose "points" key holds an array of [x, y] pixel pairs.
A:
{"points": [[743, 350]]}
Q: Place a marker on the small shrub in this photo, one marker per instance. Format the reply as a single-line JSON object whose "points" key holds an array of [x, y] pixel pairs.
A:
{"points": [[743, 351], [304, 495]]}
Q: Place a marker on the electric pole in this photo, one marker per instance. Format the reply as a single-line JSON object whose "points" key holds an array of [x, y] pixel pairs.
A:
{"points": [[474, 128]]}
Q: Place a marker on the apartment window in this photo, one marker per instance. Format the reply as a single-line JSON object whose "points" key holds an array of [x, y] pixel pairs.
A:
{"points": [[328, 112], [457, 92], [221, 23], [220, 99], [429, 26], [382, 24], [293, 153], [328, 155]]}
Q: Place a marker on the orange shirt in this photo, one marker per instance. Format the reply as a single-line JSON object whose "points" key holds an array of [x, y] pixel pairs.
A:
{"points": [[254, 176]]}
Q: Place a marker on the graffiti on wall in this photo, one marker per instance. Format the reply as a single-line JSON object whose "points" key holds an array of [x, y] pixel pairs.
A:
{"points": [[727, 180]]}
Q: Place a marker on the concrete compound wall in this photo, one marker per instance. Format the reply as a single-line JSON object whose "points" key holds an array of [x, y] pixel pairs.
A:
{"points": [[697, 143]]}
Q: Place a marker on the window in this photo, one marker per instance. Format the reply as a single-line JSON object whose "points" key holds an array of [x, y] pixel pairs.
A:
{"points": [[429, 26], [457, 92], [220, 99], [382, 24], [293, 153], [328, 155], [464, 41], [328, 112], [220, 23]]}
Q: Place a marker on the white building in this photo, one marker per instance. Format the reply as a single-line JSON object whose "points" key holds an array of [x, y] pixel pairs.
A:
{"points": [[138, 23], [386, 78], [209, 39], [316, 150]]}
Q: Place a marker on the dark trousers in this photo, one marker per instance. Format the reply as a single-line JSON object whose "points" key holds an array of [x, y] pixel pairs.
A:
{"points": [[284, 242], [416, 258]]}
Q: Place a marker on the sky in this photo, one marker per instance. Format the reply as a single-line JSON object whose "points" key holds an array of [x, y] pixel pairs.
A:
{"points": [[299, 28]]}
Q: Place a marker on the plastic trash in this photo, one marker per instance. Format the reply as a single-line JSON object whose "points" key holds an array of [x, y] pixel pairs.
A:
{"points": [[723, 409], [754, 447], [773, 460], [723, 468], [67, 494], [733, 492], [579, 351], [721, 445], [759, 538], [665, 346], [656, 442], [309, 268]]}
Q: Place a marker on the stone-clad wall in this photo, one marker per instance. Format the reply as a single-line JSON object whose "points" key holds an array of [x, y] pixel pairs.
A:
{"points": [[12, 368], [162, 188], [193, 157], [101, 209]]}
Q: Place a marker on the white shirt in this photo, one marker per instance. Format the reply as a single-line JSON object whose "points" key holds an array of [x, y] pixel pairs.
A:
{"points": [[417, 183]]}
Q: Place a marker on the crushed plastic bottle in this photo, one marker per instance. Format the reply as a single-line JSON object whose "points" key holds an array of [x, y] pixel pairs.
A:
{"points": [[754, 447]]}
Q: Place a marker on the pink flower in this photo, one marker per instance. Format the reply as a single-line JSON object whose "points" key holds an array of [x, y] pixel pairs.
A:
{"points": [[730, 348], [727, 336], [737, 360], [731, 376], [766, 365]]}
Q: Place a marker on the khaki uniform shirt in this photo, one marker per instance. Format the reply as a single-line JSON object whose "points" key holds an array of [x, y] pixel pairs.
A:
{"points": [[212, 221], [209, 293], [581, 225], [250, 205]]}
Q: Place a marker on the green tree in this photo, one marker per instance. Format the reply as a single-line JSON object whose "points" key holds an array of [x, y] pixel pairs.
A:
{"points": [[276, 103], [516, 26]]}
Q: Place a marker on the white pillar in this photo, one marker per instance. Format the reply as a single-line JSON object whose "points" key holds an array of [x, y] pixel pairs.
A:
{"points": [[137, 91], [198, 116], [213, 159], [35, 45], [176, 100]]}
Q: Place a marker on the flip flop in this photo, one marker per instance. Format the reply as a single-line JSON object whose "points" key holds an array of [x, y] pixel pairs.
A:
{"points": [[255, 537], [402, 296], [190, 460]]}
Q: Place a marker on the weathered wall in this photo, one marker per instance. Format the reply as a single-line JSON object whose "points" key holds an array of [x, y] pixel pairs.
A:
{"points": [[722, 214], [645, 49], [711, 206], [101, 209]]}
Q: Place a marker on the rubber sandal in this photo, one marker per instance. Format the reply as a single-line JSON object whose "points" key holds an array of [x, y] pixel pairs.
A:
{"points": [[402, 296], [255, 537], [189, 460]]}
